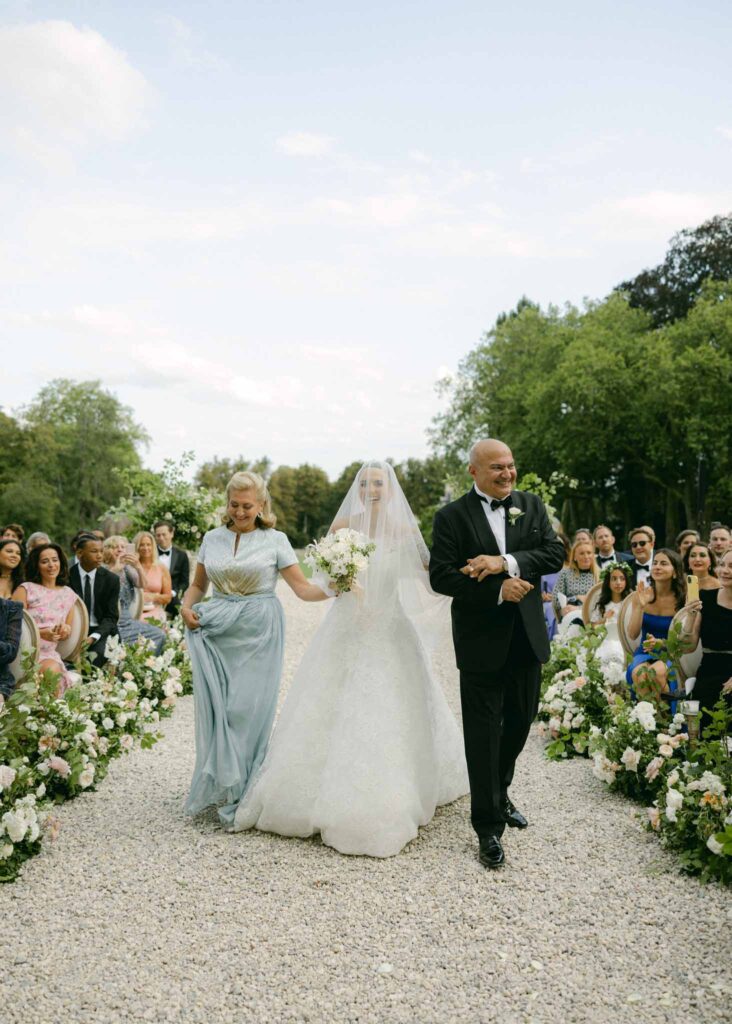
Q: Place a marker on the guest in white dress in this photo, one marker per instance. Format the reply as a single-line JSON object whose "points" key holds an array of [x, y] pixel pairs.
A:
{"points": [[617, 583]]}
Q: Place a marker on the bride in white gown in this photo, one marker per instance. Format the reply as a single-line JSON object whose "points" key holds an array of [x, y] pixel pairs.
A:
{"points": [[366, 746]]}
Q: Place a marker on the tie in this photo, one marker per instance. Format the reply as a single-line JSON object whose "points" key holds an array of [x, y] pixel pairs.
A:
{"points": [[161, 552], [604, 558], [88, 595], [495, 503]]}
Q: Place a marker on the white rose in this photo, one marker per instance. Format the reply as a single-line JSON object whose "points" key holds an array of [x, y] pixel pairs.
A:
{"points": [[666, 750], [87, 777], [107, 723], [41, 791], [7, 776], [15, 825], [674, 803], [126, 742], [714, 846], [6, 850], [630, 759]]}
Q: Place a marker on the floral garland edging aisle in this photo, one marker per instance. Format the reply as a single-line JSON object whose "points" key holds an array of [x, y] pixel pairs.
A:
{"points": [[640, 750], [52, 748]]}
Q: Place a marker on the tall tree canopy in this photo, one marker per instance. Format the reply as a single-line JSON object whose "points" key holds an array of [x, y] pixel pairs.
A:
{"points": [[695, 255]]}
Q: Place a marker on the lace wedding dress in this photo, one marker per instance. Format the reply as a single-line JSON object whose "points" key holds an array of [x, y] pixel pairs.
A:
{"points": [[366, 746]]}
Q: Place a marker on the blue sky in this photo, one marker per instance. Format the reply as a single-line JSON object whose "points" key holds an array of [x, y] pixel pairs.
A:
{"points": [[269, 227]]}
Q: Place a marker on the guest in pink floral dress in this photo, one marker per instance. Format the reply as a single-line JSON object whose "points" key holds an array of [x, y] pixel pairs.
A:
{"points": [[50, 602]]}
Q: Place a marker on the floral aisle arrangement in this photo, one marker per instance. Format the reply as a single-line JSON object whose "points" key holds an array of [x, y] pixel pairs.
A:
{"points": [[51, 749], [340, 557], [639, 750], [169, 496]]}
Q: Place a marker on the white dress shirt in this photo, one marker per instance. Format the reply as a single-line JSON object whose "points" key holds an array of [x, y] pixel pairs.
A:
{"points": [[164, 559], [497, 521], [644, 571], [83, 574]]}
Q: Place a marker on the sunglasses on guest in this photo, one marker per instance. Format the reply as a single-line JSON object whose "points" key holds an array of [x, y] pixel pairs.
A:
{"points": [[639, 543]]}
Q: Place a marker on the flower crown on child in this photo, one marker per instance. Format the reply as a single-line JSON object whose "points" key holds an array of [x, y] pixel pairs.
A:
{"points": [[612, 566]]}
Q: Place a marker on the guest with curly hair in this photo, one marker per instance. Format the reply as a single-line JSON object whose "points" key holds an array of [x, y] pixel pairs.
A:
{"points": [[617, 583], [11, 567]]}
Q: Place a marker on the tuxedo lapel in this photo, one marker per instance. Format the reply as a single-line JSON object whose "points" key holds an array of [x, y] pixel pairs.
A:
{"points": [[515, 533], [485, 534]]}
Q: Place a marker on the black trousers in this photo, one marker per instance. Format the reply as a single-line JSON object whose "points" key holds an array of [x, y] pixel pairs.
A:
{"points": [[498, 709]]}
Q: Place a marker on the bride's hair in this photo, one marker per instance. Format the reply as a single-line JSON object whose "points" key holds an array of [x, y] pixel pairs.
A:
{"points": [[246, 481]]}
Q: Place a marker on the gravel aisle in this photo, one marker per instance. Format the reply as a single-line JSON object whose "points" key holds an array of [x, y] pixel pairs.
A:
{"points": [[136, 913]]}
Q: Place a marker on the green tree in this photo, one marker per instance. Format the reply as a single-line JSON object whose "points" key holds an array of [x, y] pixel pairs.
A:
{"points": [[215, 474], [75, 437], [695, 255]]}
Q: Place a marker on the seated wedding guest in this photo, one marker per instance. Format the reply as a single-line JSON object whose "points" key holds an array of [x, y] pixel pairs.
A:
{"points": [[699, 561], [11, 567], [12, 531], [573, 582], [617, 583], [684, 541], [720, 538], [175, 560], [654, 606], [583, 533], [50, 601], [604, 540], [75, 542], [131, 575], [99, 590], [710, 620], [547, 590], [35, 539], [641, 546], [158, 586], [11, 624]]}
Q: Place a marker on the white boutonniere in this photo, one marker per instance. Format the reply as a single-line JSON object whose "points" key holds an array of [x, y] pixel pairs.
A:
{"points": [[514, 514]]}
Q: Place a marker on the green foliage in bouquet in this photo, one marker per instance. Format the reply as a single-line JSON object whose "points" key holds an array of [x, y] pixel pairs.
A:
{"points": [[168, 496]]}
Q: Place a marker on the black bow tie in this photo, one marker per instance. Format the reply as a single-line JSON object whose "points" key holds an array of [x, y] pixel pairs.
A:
{"points": [[161, 552], [606, 558], [495, 503]]}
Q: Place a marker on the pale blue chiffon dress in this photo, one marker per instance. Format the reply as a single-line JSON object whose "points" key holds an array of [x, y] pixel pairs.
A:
{"points": [[236, 657]]}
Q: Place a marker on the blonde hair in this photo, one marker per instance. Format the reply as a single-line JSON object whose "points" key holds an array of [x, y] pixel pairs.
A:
{"points": [[246, 481], [109, 543], [573, 558], [136, 541]]}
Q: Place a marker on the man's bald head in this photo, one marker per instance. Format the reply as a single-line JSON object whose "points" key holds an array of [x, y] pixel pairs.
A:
{"points": [[492, 467]]}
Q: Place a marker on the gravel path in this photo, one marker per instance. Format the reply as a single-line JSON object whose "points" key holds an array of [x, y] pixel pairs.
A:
{"points": [[135, 913]]}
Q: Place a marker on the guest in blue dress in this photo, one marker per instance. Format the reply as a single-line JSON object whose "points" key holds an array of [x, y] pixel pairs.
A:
{"points": [[654, 606], [236, 641], [547, 590]]}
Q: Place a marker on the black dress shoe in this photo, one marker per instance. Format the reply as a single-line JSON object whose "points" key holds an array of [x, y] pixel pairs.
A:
{"points": [[491, 852], [514, 818]]}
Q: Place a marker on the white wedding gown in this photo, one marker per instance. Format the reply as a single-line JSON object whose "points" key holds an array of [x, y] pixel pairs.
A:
{"points": [[366, 746]]}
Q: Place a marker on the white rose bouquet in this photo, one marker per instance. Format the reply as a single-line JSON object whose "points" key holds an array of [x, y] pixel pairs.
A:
{"points": [[340, 556]]}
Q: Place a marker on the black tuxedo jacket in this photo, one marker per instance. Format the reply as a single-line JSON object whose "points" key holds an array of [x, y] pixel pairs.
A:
{"points": [[620, 556], [180, 577], [106, 599], [482, 628], [632, 562]]}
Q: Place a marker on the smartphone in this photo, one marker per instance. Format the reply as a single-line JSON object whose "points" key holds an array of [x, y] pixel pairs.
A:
{"points": [[130, 548], [692, 589]]}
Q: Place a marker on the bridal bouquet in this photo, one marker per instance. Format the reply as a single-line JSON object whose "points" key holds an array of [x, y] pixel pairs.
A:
{"points": [[341, 556]]}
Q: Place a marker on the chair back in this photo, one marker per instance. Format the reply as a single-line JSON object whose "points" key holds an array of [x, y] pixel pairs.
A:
{"points": [[630, 643], [688, 663], [30, 642], [70, 648], [589, 608]]}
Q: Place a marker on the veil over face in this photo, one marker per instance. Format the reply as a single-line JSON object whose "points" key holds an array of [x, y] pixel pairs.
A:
{"points": [[375, 505]]}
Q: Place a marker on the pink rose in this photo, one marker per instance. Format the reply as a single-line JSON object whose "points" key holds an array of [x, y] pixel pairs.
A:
{"points": [[654, 818], [579, 682], [57, 764], [653, 768]]}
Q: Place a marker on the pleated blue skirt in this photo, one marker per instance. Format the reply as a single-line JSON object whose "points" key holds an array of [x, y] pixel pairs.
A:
{"points": [[236, 656]]}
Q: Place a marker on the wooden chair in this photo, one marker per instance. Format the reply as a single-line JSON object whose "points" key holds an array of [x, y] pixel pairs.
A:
{"points": [[591, 600], [70, 648], [30, 642], [688, 663], [630, 643]]}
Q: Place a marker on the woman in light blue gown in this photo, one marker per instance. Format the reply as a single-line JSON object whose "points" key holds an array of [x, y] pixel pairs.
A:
{"points": [[236, 643]]}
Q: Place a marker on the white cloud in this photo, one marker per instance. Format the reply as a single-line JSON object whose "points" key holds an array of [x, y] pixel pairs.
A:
{"points": [[305, 144], [186, 47], [62, 86], [653, 216]]}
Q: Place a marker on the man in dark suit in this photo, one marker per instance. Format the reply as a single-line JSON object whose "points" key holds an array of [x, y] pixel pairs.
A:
{"points": [[175, 561], [99, 590], [605, 552], [641, 539], [490, 549]]}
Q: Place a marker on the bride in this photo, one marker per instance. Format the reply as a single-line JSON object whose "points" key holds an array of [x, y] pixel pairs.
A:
{"points": [[366, 746]]}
